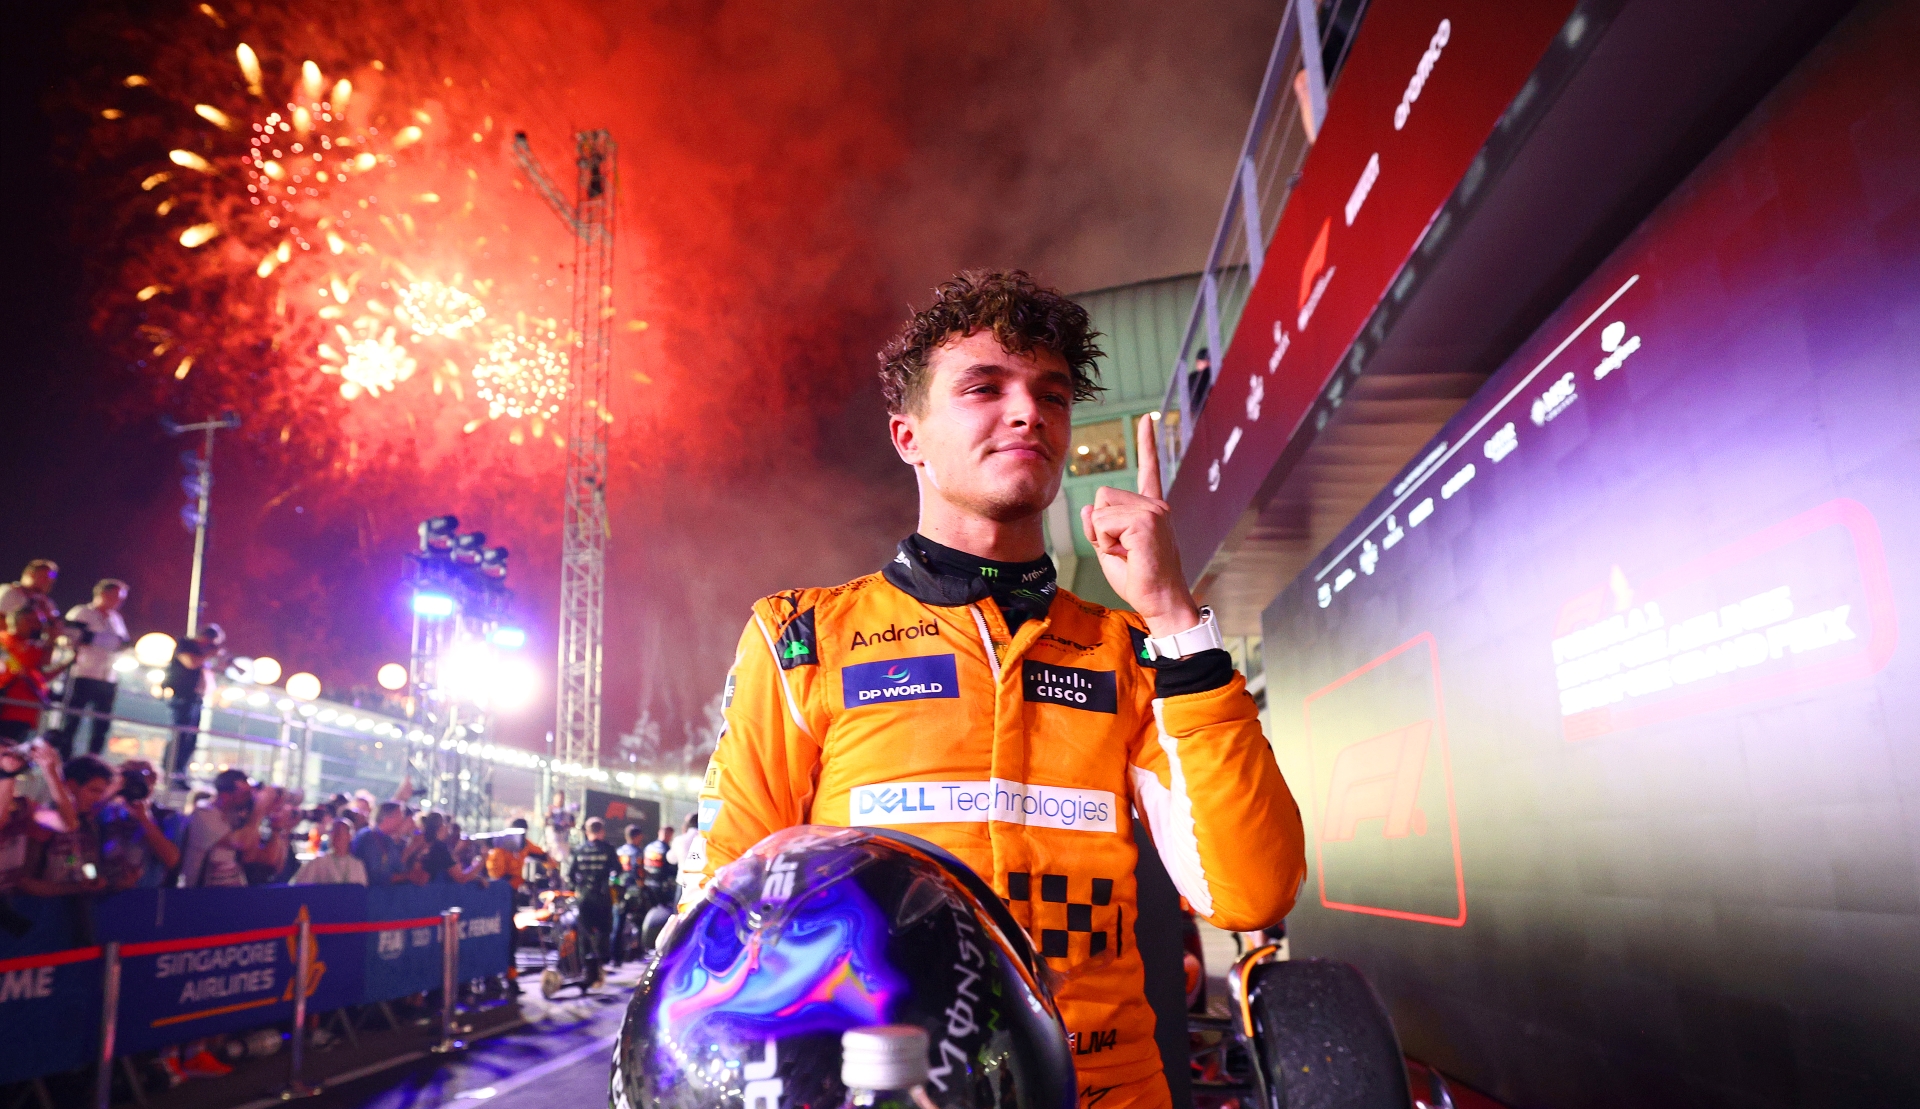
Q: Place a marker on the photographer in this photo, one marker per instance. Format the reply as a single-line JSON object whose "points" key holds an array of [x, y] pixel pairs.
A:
{"points": [[223, 835], [21, 834], [98, 633], [70, 861], [140, 841], [187, 684]]}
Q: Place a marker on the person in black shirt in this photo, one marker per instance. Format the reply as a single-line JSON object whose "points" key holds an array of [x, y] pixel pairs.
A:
{"points": [[186, 682], [591, 872], [438, 860]]}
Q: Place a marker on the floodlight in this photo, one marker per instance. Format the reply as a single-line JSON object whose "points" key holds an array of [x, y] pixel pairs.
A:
{"points": [[432, 604], [392, 676], [265, 670], [511, 638], [154, 649], [303, 687]]}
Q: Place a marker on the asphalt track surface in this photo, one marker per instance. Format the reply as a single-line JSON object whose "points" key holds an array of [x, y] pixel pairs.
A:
{"points": [[560, 1059]]}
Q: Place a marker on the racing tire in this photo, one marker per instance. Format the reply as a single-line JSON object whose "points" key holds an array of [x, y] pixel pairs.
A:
{"points": [[650, 928], [1324, 1038]]}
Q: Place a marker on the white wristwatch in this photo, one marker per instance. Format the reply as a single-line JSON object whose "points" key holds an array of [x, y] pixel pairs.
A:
{"points": [[1204, 636]]}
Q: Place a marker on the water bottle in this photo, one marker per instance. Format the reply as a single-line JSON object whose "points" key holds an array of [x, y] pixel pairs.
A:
{"points": [[884, 1066]]}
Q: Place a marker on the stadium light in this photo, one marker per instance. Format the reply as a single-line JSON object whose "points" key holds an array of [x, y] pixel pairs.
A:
{"points": [[392, 677], [154, 649], [436, 534], [467, 548], [303, 687], [432, 604], [265, 670], [510, 638]]}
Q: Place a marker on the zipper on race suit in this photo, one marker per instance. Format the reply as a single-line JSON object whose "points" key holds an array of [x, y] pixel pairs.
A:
{"points": [[986, 640]]}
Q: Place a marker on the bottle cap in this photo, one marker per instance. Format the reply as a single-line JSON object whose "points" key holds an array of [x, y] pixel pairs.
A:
{"points": [[883, 1057]]}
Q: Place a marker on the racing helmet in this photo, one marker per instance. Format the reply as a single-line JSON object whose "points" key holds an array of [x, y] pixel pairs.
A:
{"points": [[817, 931], [653, 857]]}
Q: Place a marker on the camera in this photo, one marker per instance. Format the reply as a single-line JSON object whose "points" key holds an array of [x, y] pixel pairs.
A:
{"points": [[136, 784]]}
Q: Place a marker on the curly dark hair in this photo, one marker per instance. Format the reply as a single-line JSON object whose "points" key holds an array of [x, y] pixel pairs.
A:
{"points": [[1021, 313]]}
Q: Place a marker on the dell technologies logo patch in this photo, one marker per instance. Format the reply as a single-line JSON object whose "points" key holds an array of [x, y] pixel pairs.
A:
{"points": [[893, 634], [899, 679], [1088, 690]]}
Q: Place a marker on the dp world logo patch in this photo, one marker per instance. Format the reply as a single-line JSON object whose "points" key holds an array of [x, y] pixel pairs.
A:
{"points": [[899, 679]]}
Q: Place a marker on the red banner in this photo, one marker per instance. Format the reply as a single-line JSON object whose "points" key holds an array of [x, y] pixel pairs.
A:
{"points": [[1423, 86]]}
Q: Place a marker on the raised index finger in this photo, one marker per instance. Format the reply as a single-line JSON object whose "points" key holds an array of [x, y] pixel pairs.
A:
{"points": [[1149, 458]]}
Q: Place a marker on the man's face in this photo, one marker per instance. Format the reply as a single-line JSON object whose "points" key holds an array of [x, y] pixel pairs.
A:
{"points": [[239, 798], [666, 835], [394, 823], [89, 797], [39, 579], [109, 599], [992, 435], [341, 837]]}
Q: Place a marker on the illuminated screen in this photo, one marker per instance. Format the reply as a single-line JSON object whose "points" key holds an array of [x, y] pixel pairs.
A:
{"points": [[1601, 718]]}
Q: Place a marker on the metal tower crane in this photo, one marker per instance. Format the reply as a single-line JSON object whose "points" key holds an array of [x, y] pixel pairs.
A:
{"points": [[583, 544]]}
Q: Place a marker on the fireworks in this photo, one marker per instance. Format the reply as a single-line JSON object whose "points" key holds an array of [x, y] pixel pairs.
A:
{"points": [[430, 308], [368, 362], [524, 372]]}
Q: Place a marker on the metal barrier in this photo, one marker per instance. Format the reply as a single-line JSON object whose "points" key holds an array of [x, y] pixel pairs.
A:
{"points": [[1307, 55], [303, 934]]}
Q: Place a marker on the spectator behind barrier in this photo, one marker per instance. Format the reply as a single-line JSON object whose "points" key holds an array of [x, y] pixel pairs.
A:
{"points": [[438, 860], [223, 835], [139, 839], [69, 862], [338, 867], [22, 834], [381, 849]]}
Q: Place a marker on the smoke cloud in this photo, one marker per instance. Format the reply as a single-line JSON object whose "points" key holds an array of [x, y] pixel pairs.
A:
{"points": [[793, 177]]}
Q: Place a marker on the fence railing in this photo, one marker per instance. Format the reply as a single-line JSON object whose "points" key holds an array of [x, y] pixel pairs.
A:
{"points": [[164, 967], [1301, 72]]}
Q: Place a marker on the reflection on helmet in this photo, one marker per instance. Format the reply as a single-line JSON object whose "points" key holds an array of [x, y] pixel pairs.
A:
{"points": [[819, 930]]}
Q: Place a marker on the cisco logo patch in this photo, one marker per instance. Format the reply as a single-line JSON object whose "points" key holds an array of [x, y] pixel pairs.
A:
{"points": [[899, 679], [1088, 690]]}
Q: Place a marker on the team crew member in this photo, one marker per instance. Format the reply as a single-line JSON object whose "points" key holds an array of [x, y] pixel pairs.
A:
{"points": [[960, 695], [591, 872]]}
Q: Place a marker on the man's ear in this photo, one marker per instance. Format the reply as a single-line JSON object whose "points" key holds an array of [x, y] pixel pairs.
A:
{"points": [[903, 429]]}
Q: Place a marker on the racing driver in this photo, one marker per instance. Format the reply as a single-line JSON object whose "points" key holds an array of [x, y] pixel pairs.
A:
{"points": [[959, 694]]}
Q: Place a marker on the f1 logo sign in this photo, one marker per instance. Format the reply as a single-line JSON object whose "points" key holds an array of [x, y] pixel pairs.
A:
{"points": [[1386, 842], [1379, 779]]}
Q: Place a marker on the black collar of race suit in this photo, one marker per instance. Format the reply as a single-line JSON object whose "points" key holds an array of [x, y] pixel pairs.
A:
{"points": [[941, 576]]}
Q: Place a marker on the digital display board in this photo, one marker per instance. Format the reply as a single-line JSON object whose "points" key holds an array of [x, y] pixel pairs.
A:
{"points": [[1601, 718]]}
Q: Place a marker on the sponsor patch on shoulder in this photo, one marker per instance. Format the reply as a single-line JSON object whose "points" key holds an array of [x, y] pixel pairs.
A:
{"points": [[796, 646], [899, 679], [1071, 686], [709, 812]]}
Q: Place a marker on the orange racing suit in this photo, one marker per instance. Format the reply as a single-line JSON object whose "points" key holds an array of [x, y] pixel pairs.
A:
{"points": [[902, 699]]}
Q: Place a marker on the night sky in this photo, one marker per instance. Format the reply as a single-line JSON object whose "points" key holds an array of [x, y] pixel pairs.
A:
{"points": [[793, 177]]}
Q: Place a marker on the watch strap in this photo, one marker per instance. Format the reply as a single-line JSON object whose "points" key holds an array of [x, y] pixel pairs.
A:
{"points": [[1204, 636]]}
